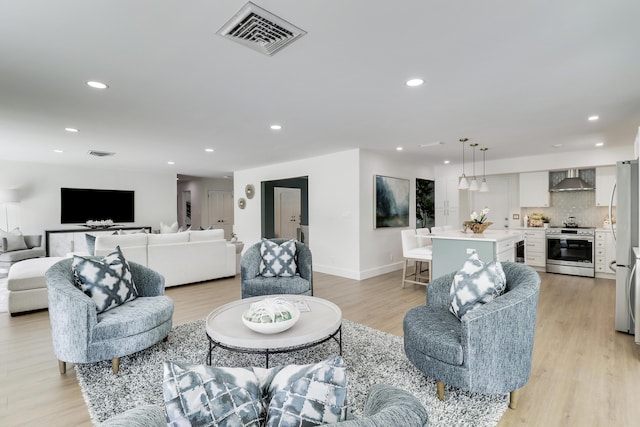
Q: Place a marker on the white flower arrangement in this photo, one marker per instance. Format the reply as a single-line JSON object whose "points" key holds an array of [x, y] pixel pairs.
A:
{"points": [[481, 218], [105, 223]]}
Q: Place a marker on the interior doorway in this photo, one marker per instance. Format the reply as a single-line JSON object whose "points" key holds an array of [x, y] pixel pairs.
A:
{"points": [[221, 211], [287, 208]]}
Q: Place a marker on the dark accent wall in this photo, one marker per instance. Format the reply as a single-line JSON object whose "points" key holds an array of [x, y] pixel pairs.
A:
{"points": [[268, 217]]}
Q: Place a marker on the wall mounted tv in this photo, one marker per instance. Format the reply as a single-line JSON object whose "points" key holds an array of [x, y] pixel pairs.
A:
{"points": [[79, 205]]}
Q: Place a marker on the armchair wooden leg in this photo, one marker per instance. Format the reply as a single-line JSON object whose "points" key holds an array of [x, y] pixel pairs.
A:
{"points": [[440, 390], [513, 398], [62, 366], [115, 364]]}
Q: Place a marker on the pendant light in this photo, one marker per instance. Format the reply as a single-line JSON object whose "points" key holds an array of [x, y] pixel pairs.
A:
{"points": [[463, 184], [483, 186], [473, 186]]}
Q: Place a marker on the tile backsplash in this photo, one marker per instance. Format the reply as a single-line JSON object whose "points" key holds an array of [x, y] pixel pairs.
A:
{"points": [[579, 204]]}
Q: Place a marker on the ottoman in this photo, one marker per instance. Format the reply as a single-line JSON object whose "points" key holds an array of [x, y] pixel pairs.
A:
{"points": [[27, 286]]}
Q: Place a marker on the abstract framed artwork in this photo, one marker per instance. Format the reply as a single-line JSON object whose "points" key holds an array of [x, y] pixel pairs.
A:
{"points": [[391, 201]]}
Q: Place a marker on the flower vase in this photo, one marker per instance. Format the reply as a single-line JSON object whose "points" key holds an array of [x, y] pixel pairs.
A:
{"points": [[477, 228]]}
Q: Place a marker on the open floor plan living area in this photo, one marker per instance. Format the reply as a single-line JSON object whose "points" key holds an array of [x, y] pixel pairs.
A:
{"points": [[285, 213]]}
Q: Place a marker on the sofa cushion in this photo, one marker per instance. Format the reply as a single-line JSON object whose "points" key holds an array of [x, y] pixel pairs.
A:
{"points": [[135, 317], [278, 260], [12, 240], [164, 228], [272, 285], [476, 284], [206, 235], [206, 396], [307, 395], [168, 238], [435, 333], [108, 281]]}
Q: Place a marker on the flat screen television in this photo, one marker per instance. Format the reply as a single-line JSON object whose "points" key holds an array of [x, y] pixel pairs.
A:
{"points": [[79, 205]]}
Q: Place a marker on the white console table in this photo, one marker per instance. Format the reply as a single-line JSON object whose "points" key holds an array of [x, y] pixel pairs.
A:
{"points": [[58, 243]]}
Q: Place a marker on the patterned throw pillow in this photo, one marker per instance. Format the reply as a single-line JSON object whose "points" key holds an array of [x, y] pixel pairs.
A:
{"points": [[201, 395], [107, 281], [308, 395], [476, 284], [296, 395], [278, 260]]}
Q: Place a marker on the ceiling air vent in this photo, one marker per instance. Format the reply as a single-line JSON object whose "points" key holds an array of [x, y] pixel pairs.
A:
{"points": [[260, 30], [100, 153]]}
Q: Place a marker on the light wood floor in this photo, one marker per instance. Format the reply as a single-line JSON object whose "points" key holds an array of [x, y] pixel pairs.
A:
{"points": [[584, 373]]}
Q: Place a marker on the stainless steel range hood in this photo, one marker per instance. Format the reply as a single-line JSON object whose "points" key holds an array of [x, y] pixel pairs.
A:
{"points": [[572, 182]]}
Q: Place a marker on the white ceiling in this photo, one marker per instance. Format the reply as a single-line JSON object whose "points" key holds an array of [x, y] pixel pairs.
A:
{"points": [[515, 76]]}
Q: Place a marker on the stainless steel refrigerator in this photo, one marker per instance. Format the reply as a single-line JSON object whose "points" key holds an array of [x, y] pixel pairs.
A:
{"points": [[626, 235]]}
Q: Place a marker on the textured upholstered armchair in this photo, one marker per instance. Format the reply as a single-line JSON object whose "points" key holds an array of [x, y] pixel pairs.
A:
{"points": [[490, 349], [253, 284], [81, 335], [385, 406]]}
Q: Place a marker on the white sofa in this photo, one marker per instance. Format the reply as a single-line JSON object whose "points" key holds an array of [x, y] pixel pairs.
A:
{"points": [[187, 257]]}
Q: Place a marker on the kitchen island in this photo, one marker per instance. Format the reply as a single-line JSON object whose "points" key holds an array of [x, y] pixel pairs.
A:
{"points": [[450, 248]]}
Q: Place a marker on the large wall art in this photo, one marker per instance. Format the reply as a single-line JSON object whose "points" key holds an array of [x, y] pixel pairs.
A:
{"points": [[391, 201]]}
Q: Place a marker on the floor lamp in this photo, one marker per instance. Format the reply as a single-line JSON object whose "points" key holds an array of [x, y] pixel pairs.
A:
{"points": [[6, 197]]}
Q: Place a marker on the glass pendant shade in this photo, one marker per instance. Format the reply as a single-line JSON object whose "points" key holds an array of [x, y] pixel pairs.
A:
{"points": [[483, 186], [474, 184], [463, 184]]}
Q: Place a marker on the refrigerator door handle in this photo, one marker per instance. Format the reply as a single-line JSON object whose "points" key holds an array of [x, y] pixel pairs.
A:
{"points": [[613, 192]]}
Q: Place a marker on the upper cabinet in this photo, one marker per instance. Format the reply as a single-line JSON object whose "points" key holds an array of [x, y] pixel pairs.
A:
{"points": [[534, 189], [605, 179], [446, 206]]}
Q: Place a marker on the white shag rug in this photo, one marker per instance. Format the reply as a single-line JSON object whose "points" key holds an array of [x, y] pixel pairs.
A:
{"points": [[371, 357]]}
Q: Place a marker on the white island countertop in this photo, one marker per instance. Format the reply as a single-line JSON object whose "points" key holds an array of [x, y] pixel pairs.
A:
{"points": [[487, 236]]}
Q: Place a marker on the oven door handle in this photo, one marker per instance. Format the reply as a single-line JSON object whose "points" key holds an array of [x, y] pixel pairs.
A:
{"points": [[570, 237]]}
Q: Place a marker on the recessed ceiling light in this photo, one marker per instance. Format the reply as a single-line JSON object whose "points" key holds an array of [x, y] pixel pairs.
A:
{"points": [[599, 144], [171, 163], [398, 148], [593, 118], [97, 85], [58, 151], [557, 145], [414, 82], [446, 162], [209, 150], [276, 127], [73, 130]]}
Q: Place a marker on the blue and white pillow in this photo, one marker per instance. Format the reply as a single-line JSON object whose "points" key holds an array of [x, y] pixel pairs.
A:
{"points": [[307, 395], [283, 396], [201, 395], [108, 281], [278, 260], [476, 284]]}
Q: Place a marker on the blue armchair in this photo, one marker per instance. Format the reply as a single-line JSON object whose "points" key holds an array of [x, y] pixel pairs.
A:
{"points": [[81, 335], [253, 285], [490, 349]]}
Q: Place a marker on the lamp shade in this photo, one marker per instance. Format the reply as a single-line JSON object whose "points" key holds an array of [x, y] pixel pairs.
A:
{"points": [[474, 184], [9, 196], [463, 184], [483, 186]]}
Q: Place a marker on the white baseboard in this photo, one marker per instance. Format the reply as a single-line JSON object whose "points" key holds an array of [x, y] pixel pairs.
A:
{"points": [[358, 275]]}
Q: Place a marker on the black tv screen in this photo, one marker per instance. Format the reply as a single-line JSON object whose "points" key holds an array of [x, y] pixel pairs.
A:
{"points": [[79, 205]]}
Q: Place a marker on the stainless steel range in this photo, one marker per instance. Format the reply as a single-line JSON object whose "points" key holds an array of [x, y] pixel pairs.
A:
{"points": [[570, 250]]}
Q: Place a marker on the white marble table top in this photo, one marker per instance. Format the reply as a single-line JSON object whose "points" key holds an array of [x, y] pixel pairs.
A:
{"points": [[224, 325]]}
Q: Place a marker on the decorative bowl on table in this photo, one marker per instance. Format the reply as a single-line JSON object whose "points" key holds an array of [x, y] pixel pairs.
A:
{"points": [[271, 316]]}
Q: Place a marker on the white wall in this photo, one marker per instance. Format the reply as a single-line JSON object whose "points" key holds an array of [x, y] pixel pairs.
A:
{"points": [[333, 208], [341, 229], [39, 188]]}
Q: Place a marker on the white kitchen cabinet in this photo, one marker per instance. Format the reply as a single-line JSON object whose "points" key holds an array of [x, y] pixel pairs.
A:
{"points": [[446, 203], [505, 250], [605, 178], [535, 247], [604, 254], [534, 189]]}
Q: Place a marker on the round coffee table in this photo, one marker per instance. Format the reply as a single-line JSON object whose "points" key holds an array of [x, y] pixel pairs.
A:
{"points": [[321, 323]]}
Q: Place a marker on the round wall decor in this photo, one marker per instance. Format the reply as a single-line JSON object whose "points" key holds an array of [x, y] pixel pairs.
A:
{"points": [[242, 203], [249, 190]]}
